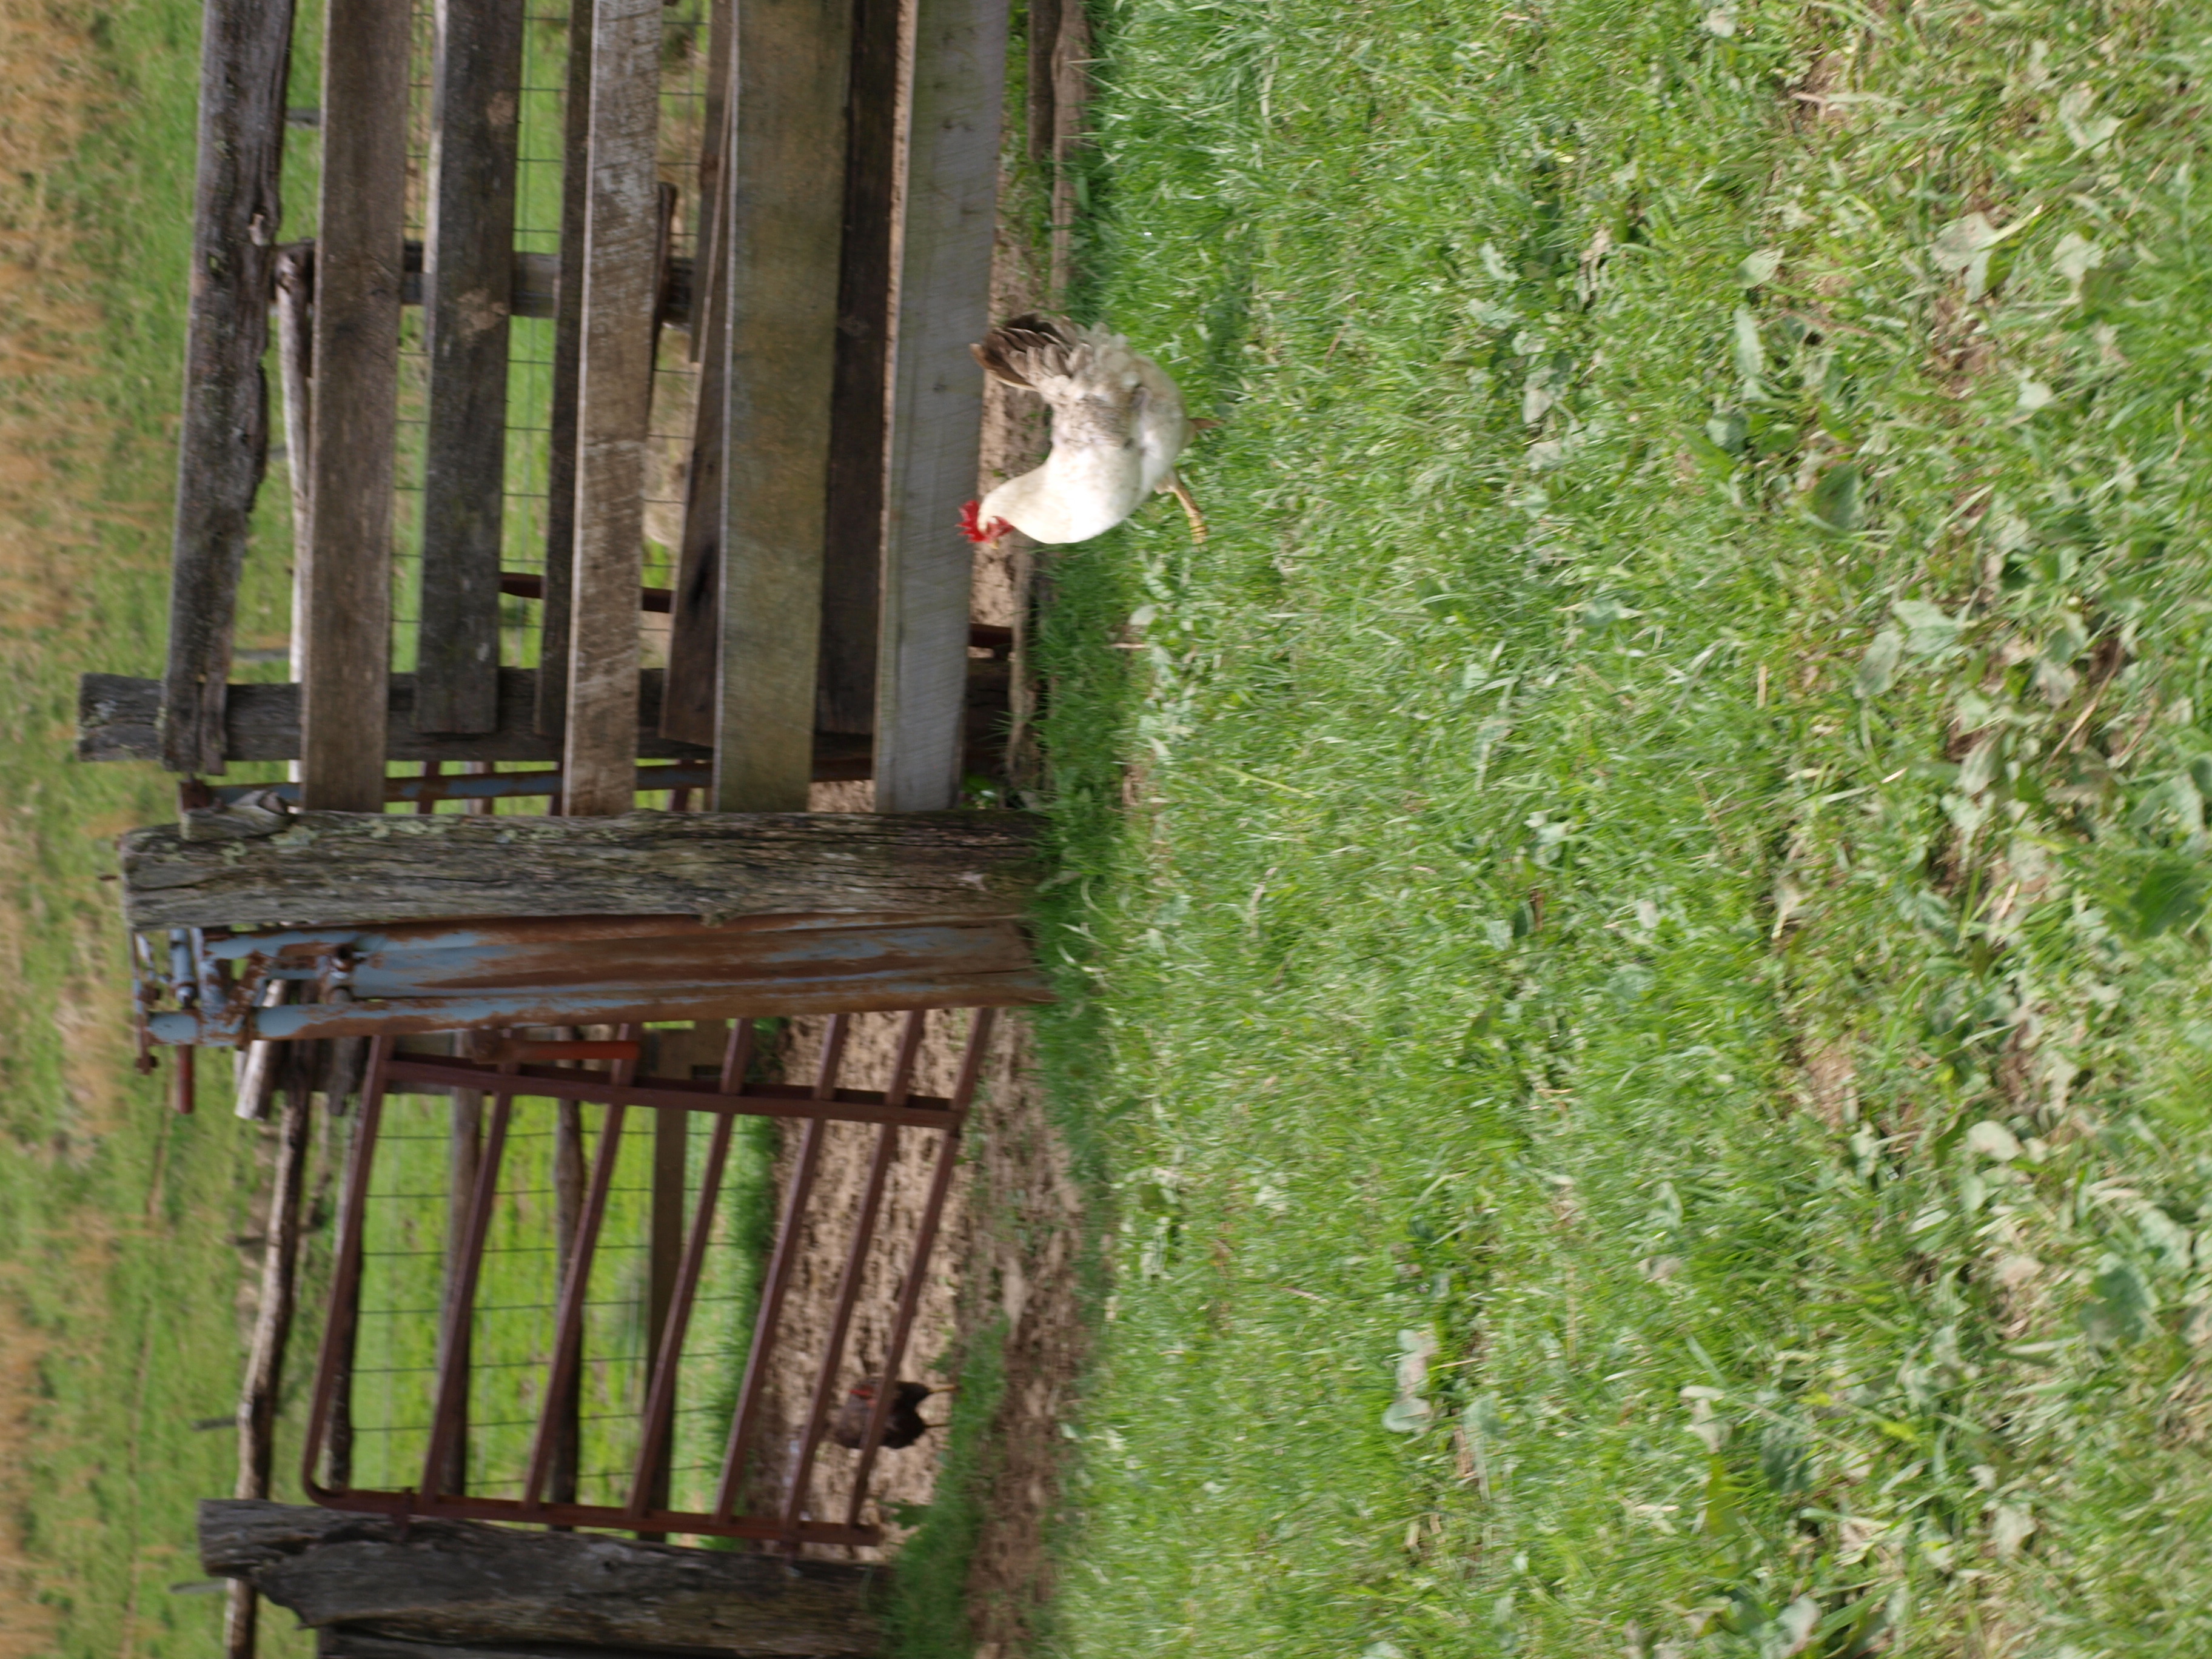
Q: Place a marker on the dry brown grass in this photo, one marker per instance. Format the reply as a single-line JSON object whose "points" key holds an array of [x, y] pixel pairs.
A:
{"points": [[51, 87]]}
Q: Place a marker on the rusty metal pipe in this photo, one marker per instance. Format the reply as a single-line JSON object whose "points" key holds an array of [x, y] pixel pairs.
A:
{"points": [[568, 1320], [778, 1281], [401, 1505], [698, 1095], [460, 1310], [925, 1241], [346, 1292], [660, 1401], [841, 1324]]}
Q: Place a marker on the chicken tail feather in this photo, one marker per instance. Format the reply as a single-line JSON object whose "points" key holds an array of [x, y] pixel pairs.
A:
{"points": [[1023, 349]]}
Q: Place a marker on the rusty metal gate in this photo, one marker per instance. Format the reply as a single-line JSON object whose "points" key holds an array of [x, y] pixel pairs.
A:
{"points": [[524, 1081]]}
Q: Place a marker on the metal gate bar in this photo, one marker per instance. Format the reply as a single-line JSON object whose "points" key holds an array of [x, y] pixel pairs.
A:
{"points": [[646, 1509]]}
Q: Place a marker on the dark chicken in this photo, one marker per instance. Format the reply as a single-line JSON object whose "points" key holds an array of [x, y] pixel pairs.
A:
{"points": [[903, 1426]]}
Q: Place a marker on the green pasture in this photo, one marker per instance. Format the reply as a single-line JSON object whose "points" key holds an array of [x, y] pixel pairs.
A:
{"points": [[1630, 924]]}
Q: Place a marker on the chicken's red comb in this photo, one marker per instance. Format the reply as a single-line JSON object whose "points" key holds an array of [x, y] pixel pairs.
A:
{"points": [[973, 527]]}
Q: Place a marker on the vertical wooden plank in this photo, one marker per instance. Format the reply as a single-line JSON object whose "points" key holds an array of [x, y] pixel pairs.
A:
{"points": [[687, 708], [852, 542], [689, 702], [1044, 35], [467, 290], [937, 411], [295, 323], [245, 49], [1071, 96], [568, 356], [786, 198], [358, 256], [614, 393]]}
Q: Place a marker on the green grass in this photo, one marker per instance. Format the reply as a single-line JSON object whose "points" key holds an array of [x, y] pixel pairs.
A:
{"points": [[118, 1274], [1658, 849]]}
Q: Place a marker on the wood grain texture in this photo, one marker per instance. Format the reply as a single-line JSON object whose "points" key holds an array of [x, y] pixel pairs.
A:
{"points": [[116, 715], [223, 448], [462, 1584], [1042, 32], [614, 396], [786, 194], [568, 359], [359, 866], [358, 259], [468, 282], [937, 409], [295, 325], [695, 631], [853, 541]]}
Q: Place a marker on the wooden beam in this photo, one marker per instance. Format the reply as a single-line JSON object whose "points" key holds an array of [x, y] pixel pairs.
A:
{"points": [[116, 715], [358, 868], [785, 200], [468, 280], [115, 722], [356, 360], [694, 630], [568, 361], [614, 397], [1043, 34], [245, 49], [295, 327], [464, 1584], [852, 542], [937, 409]]}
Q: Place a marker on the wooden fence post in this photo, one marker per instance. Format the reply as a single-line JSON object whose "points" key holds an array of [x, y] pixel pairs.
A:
{"points": [[467, 290], [785, 188], [245, 54], [358, 279], [937, 408], [614, 397]]}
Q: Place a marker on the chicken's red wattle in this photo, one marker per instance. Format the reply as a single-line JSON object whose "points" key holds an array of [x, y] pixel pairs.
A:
{"points": [[973, 527]]}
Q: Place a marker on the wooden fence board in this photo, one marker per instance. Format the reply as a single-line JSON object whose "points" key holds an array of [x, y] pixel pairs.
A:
{"points": [[568, 358], [358, 259], [695, 629], [853, 540], [116, 718], [356, 866], [467, 287], [614, 396], [295, 325], [944, 295], [785, 190], [245, 48], [463, 1583]]}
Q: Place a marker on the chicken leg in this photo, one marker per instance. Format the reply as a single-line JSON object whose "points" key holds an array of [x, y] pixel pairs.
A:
{"points": [[1181, 492]]}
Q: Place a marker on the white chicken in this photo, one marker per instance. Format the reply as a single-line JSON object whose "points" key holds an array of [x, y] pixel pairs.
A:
{"points": [[1118, 427]]}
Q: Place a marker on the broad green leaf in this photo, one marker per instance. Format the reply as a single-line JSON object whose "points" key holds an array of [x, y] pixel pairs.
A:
{"points": [[1878, 666], [2172, 894]]}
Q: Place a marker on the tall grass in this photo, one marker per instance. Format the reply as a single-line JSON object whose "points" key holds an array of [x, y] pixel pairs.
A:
{"points": [[1630, 942]]}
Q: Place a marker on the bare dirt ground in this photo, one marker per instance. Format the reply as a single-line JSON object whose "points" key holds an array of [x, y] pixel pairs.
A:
{"points": [[1006, 1261]]}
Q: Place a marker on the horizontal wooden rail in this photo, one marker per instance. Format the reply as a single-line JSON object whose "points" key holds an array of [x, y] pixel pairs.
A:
{"points": [[116, 716], [328, 867]]}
